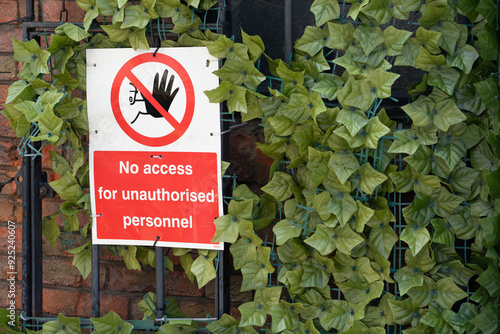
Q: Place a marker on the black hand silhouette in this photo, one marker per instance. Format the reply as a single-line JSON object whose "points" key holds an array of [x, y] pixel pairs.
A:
{"points": [[162, 95]]}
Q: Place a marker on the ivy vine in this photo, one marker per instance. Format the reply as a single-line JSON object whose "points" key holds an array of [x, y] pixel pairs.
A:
{"points": [[340, 162]]}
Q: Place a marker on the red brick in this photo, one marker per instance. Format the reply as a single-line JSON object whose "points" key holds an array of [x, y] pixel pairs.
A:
{"points": [[9, 155], [5, 298], [7, 272], [4, 91], [46, 157], [52, 11], [87, 283], [135, 311], [242, 155], [22, 9], [197, 308], [61, 272], [178, 284], [4, 236], [122, 279], [9, 10], [9, 65], [5, 127], [116, 303], [9, 189], [261, 167], [237, 296], [18, 209], [57, 301], [6, 210], [6, 35]]}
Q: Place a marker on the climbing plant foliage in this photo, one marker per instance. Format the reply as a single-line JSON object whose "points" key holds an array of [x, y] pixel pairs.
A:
{"points": [[316, 247]]}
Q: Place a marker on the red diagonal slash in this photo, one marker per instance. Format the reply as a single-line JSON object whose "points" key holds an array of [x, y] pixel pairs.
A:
{"points": [[147, 95]]}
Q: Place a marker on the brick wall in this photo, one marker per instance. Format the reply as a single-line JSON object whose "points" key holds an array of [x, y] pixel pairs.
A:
{"points": [[64, 288]]}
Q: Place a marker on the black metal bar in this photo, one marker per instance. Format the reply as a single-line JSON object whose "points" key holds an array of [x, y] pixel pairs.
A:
{"points": [[222, 296], [25, 182], [288, 30], [36, 232], [30, 10], [96, 292], [160, 282]]}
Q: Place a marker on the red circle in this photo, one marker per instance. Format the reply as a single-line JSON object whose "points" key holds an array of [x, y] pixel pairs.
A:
{"points": [[186, 81]]}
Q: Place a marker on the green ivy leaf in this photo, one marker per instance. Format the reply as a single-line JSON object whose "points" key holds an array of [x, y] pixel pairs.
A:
{"points": [[268, 297], [224, 325], [63, 325], [382, 82], [67, 187], [487, 9], [315, 274], [252, 314], [463, 58], [324, 11], [451, 150], [340, 35], [416, 237], [82, 260], [443, 77], [340, 317], [255, 45], [312, 41], [356, 7], [442, 232], [282, 125], [488, 44], [328, 86], [344, 164], [395, 40], [72, 31], [129, 254], [285, 230], [30, 53], [373, 131], [407, 278], [369, 37], [361, 293], [489, 279], [283, 317], [204, 270], [137, 38], [383, 238], [369, 178], [488, 320], [353, 119], [111, 323], [428, 39], [343, 206], [380, 10], [240, 72], [488, 91], [115, 32], [179, 327], [404, 311], [255, 276], [435, 319], [280, 186], [50, 230]]}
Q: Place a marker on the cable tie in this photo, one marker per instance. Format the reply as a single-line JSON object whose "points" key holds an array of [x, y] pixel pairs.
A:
{"points": [[96, 216], [154, 53], [157, 238], [228, 130], [156, 156]]}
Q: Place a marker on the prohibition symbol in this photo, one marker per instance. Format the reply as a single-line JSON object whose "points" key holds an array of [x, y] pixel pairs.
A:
{"points": [[153, 100]]}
